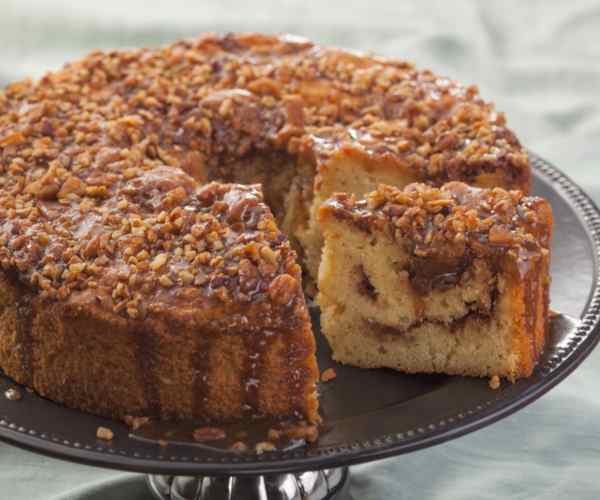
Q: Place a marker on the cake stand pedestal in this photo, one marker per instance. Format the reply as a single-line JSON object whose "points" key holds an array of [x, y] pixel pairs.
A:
{"points": [[328, 484], [369, 414]]}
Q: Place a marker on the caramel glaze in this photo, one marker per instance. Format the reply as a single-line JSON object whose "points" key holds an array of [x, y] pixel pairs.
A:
{"points": [[250, 432], [24, 339], [126, 135], [256, 346], [444, 229]]}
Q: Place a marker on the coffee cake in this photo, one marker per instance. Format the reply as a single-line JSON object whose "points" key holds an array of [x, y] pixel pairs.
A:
{"points": [[129, 281]]}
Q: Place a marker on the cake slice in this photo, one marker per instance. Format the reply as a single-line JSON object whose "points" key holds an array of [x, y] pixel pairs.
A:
{"points": [[436, 280]]}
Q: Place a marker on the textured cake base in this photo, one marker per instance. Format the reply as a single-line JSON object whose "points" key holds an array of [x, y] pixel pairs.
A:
{"points": [[109, 366]]}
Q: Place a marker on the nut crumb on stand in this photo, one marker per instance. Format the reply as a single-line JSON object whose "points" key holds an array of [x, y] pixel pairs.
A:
{"points": [[553, 314], [207, 434], [328, 375], [239, 447], [264, 446], [13, 394], [136, 422], [105, 434]]}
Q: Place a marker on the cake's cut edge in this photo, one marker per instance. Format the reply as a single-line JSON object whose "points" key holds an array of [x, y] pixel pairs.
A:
{"points": [[425, 280]]}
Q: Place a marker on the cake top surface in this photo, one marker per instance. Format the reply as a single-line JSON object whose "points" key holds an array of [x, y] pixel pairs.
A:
{"points": [[99, 160], [160, 244], [452, 222], [219, 97]]}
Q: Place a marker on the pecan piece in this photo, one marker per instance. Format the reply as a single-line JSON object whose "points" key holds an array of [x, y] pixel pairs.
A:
{"points": [[283, 289], [207, 434], [105, 434]]}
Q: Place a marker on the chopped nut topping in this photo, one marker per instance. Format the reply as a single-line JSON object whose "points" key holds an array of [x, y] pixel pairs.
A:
{"points": [[13, 394], [239, 447], [269, 255], [105, 433], [494, 382], [263, 447], [165, 281], [294, 430], [466, 226], [553, 314], [328, 375], [159, 261], [283, 289], [136, 422]]}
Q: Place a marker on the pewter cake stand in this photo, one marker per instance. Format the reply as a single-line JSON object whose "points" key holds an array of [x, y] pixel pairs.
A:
{"points": [[369, 414]]}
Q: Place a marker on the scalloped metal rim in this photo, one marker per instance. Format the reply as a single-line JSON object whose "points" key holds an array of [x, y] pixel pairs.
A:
{"points": [[554, 370]]}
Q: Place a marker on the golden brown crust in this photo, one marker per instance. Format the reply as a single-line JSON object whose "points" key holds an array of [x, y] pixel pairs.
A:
{"points": [[95, 360]]}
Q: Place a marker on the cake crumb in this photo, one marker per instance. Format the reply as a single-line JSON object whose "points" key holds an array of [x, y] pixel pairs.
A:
{"points": [[105, 434], [328, 375], [239, 447], [274, 434], [294, 430], [207, 434], [309, 433], [136, 422], [494, 382], [13, 394], [264, 446]]}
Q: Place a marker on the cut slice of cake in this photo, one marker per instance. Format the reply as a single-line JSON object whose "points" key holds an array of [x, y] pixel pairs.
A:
{"points": [[436, 280]]}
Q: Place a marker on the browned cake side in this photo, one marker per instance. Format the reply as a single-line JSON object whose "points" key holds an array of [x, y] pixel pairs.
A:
{"points": [[187, 307], [451, 280]]}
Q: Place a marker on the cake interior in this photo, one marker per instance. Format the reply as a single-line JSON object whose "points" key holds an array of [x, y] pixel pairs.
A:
{"points": [[382, 306], [295, 188]]}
